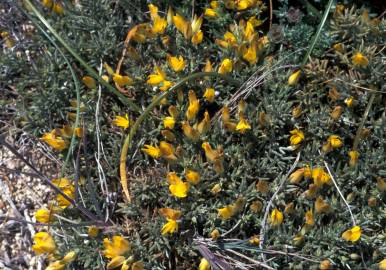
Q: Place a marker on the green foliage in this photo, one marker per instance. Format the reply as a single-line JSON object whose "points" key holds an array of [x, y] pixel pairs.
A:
{"points": [[97, 31]]}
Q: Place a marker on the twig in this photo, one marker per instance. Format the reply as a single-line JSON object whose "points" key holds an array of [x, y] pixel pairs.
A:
{"points": [[340, 193], [363, 121], [4, 218], [270, 14], [257, 263], [318, 32], [267, 209], [358, 86], [233, 228]]}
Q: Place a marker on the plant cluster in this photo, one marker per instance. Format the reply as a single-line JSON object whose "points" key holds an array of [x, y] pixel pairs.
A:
{"points": [[204, 135]]}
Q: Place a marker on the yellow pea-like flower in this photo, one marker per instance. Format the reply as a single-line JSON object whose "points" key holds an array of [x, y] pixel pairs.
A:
{"points": [[360, 60], [294, 78], [353, 234], [177, 63], [226, 66], [276, 217]]}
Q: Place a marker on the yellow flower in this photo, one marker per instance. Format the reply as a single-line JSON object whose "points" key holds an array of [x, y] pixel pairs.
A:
{"points": [[170, 227], [214, 4], [152, 151], [227, 212], [310, 218], [294, 78], [297, 111], [121, 121], [254, 240], [382, 265], [167, 151], [256, 206], [170, 213], [230, 38], [209, 94], [69, 257], [54, 141], [215, 234], [171, 216], [62, 183], [115, 248], [244, 4], [92, 231], [190, 132], [321, 206], [210, 12], [211, 155], [56, 265], [177, 187], [249, 32], [169, 122], [180, 23], [354, 155], [325, 265], [353, 234], [204, 125], [216, 189], [159, 25], [44, 243], [89, 82], [176, 63], [296, 137], [194, 106], [197, 37], [122, 80], [349, 101], [320, 177], [336, 112], [255, 22], [208, 66], [296, 176], [192, 176], [156, 78], [250, 54], [115, 262], [360, 60], [44, 215], [196, 23], [166, 85], [204, 264], [338, 47], [276, 217], [335, 141], [230, 210], [226, 66], [47, 3], [62, 201], [58, 9], [242, 125], [153, 10]]}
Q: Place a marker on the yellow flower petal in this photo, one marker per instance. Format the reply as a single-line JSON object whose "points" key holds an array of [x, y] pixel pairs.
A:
{"points": [[170, 227], [121, 121], [276, 217], [353, 234]]}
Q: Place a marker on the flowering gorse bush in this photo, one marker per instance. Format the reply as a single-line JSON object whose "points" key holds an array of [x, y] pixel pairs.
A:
{"points": [[232, 152]]}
